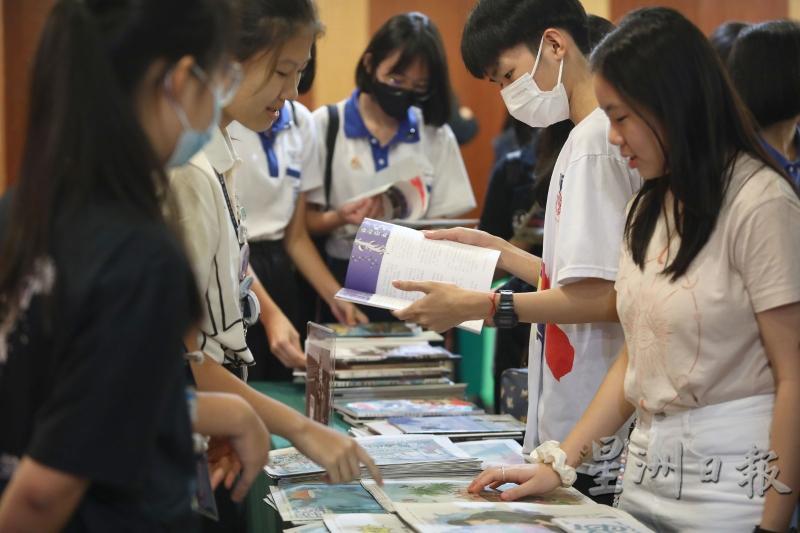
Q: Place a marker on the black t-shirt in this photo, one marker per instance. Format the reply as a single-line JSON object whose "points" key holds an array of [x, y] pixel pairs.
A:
{"points": [[510, 194], [94, 381]]}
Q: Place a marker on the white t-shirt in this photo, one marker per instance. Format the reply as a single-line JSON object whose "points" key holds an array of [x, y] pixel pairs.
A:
{"points": [[358, 156], [695, 342], [212, 245], [277, 165], [583, 229]]}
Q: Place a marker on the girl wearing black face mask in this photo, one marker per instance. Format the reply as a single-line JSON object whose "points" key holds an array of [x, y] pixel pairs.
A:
{"points": [[398, 111]]}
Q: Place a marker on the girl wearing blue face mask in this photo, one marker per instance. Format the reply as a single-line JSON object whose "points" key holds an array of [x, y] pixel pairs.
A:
{"points": [[95, 292], [273, 47]]}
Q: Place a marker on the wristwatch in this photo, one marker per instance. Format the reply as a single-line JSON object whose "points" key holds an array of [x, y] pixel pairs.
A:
{"points": [[505, 316]]}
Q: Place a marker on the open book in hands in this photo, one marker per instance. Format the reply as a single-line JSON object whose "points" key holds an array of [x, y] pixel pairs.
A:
{"points": [[384, 252]]}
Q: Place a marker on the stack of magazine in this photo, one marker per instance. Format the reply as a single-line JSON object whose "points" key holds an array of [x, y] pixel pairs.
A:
{"points": [[396, 456], [390, 360]]}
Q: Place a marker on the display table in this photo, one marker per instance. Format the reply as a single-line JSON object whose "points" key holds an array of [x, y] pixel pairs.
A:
{"points": [[261, 518]]}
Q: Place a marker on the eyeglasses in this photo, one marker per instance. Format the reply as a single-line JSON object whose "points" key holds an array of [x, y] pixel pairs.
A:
{"points": [[420, 95], [227, 84]]}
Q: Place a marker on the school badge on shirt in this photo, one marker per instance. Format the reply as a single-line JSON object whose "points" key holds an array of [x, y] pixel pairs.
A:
{"points": [[559, 197]]}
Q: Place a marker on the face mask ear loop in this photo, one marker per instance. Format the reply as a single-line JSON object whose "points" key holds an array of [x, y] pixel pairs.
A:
{"points": [[538, 56], [560, 70], [176, 106]]}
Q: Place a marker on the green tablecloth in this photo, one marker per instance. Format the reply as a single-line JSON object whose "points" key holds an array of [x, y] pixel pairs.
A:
{"points": [[261, 518]]}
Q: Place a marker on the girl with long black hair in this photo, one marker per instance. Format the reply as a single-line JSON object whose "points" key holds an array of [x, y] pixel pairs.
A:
{"points": [[708, 295], [95, 292]]}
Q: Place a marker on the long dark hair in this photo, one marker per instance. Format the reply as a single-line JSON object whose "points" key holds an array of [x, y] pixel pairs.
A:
{"points": [[661, 63], [417, 38], [764, 65], [266, 25], [84, 138]]}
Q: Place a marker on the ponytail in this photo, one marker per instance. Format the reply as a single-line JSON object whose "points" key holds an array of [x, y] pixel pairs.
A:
{"points": [[84, 139]]}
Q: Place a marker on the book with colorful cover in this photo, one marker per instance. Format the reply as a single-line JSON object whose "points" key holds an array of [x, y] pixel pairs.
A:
{"points": [[494, 452], [492, 517], [306, 502], [455, 489], [407, 407], [373, 329], [384, 252], [443, 425], [365, 523]]}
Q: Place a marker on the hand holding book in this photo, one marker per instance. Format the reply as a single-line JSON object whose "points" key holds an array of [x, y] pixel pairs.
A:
{"points": [[444, 305]]}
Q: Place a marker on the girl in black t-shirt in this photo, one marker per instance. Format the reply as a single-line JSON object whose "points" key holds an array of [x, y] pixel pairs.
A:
{"points": [[95, 294]]}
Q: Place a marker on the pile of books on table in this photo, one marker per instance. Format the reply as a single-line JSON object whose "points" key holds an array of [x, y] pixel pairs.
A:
{"points": [[458, 428], [425, 490], [390, 360]]}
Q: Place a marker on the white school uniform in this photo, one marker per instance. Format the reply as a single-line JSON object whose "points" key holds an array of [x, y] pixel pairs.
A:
{"points": [[212, 246], [277, 165], [358, 156], [583, 229]]}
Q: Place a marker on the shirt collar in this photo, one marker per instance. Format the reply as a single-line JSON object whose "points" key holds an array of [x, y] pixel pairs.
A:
{"points": [[284, 121], [777, 155], [220, 152], [354, 127]]}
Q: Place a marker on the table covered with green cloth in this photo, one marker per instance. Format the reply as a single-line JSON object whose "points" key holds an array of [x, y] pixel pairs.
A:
{"points": [[261, 518]]}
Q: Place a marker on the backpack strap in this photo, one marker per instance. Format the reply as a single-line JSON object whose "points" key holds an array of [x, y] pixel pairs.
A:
{"points": [[330, 143]]}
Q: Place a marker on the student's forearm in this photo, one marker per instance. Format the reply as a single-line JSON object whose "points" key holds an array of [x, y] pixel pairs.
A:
{"points": [[780, 333], [221, 414], [277, 417], [322, 222], [582, 302], [785, 442], [519, 263], [265, 301], [606, 413], [39, 498], [310, 264]]}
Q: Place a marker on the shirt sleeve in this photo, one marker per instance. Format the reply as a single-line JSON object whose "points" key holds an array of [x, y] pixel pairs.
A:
{"points": [[595, 191], [117, 371], [766, 251], [197, 220], [320, 118], [312, 177], [452, 191]]}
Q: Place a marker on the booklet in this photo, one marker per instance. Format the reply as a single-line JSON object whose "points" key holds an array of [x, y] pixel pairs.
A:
{"points": [[383, 252], [403, 187]]}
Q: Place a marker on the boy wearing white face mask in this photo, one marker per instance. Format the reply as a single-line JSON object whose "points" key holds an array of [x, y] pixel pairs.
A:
{"points": [[585, 213]]}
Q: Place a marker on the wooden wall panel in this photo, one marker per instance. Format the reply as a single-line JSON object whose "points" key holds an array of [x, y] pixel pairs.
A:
{"points": [[346, 36], [23, 21], [2, 104], [479, 95], [708, 14]]}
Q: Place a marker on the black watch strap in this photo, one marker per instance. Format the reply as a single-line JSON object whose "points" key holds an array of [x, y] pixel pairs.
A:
{"points": [[505, 316]]}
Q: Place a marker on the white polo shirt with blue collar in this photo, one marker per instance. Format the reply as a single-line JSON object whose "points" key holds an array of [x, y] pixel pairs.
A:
{"points": [[277, 165], [358, 155]]}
